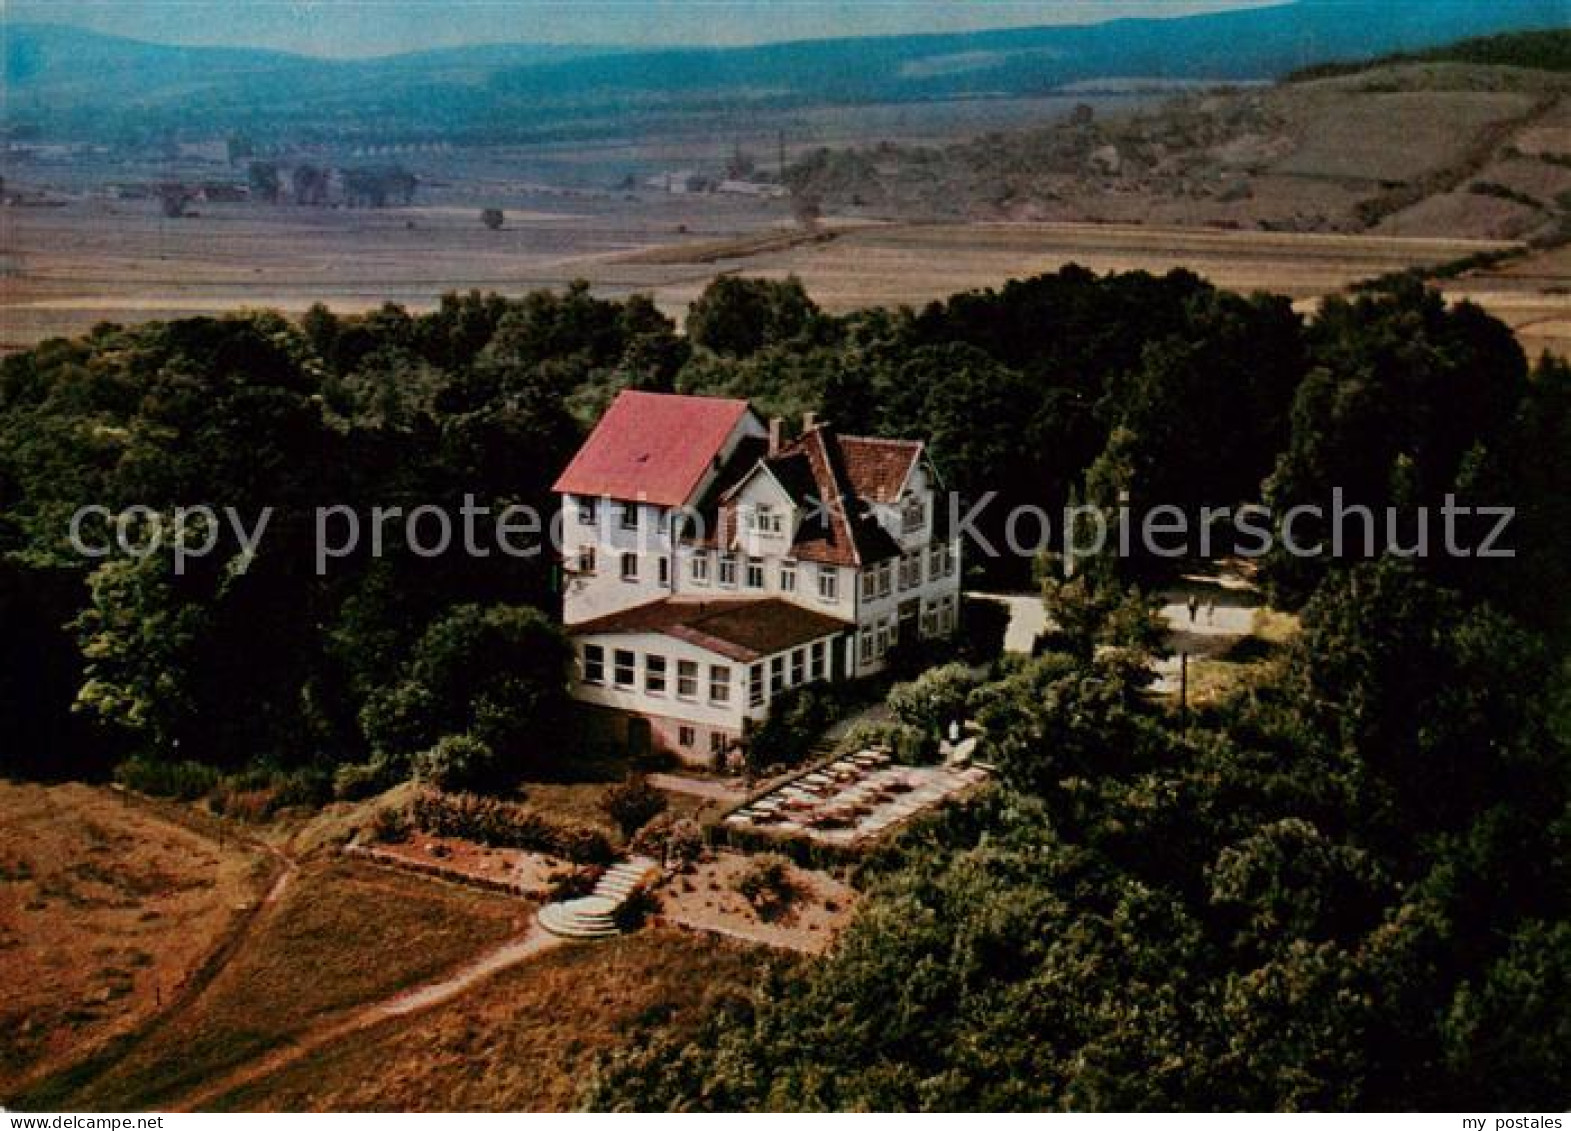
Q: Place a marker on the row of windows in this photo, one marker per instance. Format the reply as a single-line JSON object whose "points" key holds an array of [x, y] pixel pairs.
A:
{"points": [[657, 672], [588, 565], [803, 665], [879, 581], [938, 619], [626, 514], [754, 574], [765, 680]]}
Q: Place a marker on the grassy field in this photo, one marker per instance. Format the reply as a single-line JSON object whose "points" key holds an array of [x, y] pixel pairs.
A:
{"points": [[343, 934], [106, 911], [522, 1041]]}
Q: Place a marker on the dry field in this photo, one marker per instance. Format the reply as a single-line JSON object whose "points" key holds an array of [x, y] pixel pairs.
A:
{"points": [[106, 911], [343, 934], [520, 1042], [1532, 294], [64, 269]]}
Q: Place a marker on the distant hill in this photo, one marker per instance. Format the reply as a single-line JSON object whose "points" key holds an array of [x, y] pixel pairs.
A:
{"points": [[1434, 144], [67, 82], [1546, 50]]}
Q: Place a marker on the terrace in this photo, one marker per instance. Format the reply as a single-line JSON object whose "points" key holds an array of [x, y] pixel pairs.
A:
{"points": [[854, 799]]}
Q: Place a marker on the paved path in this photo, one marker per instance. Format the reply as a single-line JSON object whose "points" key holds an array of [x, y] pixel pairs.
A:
{"points": [[707, 788], [413, 1000], [1224, 613]]}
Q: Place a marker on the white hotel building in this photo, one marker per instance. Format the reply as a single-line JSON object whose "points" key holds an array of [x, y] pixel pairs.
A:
{"points": [[711, 564]]}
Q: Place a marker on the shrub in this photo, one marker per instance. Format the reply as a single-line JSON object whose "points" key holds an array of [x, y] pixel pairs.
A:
{"points": [[356, 781], [390, 825], [458, 762], [640, 904], [575, 883], [633, 804], [935, 699], [797, 719], [506, 824], [183, 781], [492, 218], [310, 788], [767, 885], [675, 841], [906, 744]]}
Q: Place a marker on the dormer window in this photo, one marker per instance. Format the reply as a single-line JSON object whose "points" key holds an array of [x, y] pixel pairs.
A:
{"points": [[764, 519], [913, 515]]}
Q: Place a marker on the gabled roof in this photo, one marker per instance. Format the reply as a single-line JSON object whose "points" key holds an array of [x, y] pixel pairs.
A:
{"points": [[741, 630], [878, 469], [652, 447], [835, 528]]}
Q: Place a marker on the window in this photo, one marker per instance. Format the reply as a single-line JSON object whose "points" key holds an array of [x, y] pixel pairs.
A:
{"points": [[587, 512], [594, 663], [940, 561], [765, 520], [719, 683], [586, 560], [728, 570], [686, 736], [629, 567], [654, 674], [828, 584], [816, 667], [788, 577], [930, 619], [755, 685], [776, 675], [910, 572], [886, 634], [665, 571], [755, 573], [717, 742], [701, 567], [869, 584], [798, 666], [626, 668], [885, 576], [629, 516], [867, 646], [913, 515], [686, 679]]}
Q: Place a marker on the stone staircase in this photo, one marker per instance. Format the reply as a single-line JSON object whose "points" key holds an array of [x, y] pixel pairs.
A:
{"points": [[594, 915]]}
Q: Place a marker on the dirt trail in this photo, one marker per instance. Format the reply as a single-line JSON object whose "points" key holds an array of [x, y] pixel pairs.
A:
{"points": [[412, 1000]]}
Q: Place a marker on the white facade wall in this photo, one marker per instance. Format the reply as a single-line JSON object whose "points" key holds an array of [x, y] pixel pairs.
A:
{"points": [[587, 596], [751, 687]]}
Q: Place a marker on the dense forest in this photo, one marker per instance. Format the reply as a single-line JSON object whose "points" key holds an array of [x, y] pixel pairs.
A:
{"points": [[1345, 886]]}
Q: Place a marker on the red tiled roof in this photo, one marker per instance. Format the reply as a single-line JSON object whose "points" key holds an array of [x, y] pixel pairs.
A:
{"points": [[740, 630], [652, 447], [836, 528], [876, 468]]}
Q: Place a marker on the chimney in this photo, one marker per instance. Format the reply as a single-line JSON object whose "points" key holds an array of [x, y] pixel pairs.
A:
{"points": [[809, 422], [776, 434]]}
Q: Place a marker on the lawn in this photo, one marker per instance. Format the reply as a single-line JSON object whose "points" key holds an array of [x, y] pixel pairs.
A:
{"points": [[344, 933], [522, 1041]]}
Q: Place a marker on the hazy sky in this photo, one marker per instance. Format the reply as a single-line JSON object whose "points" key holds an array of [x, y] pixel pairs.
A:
{"points": [[379, 27]]}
